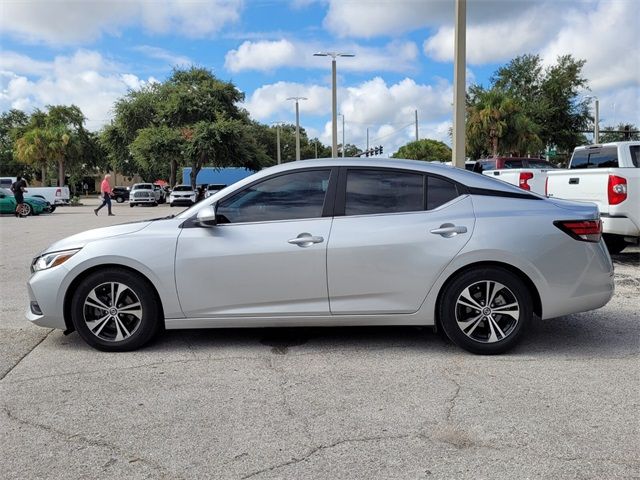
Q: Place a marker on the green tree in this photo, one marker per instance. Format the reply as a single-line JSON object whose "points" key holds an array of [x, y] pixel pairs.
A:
{"points": [[549, 97], [425, 149], [619, 133], [11, 125], [157, 151]]}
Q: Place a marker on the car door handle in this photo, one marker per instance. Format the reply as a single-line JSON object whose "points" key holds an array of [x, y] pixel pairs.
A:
{"points": [[449, 230], [305, 240]]}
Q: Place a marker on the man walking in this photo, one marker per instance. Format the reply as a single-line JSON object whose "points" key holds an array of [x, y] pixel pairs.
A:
{"points": [[105, 191], [18, 188]]}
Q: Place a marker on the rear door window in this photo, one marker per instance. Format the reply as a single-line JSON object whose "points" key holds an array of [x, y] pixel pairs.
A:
{"points": [[635, 155], [439, 192], [383, 191]]}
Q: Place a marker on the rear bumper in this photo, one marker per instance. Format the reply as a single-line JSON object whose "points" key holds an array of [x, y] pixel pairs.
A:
{"points": [[620, 226]]}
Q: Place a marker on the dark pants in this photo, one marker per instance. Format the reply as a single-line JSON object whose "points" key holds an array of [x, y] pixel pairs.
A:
{"points": [[106, 200]]}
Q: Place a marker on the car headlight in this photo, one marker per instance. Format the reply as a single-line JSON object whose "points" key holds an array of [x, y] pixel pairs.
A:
{"points": [[53, 259]]}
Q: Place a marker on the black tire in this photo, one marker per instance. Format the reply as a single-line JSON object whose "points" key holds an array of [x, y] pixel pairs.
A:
{"points": [[615, 243], [132, 205], [484, 328], [119, 199], [154, 204], [52, 208], [133, 288], [171, 205]]}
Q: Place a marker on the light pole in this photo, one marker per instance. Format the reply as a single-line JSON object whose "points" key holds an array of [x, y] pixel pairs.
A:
{"points": [[279, 154], [459, 73], [334, 97], [596, 119], [342, 115], [297, 99]]}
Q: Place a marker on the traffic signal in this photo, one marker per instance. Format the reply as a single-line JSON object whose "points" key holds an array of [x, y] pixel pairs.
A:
{"points": [[375, 150], [380, 149]]}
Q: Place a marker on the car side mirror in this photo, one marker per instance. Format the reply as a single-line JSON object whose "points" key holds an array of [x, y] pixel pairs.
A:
{"points": [[206, 217]]}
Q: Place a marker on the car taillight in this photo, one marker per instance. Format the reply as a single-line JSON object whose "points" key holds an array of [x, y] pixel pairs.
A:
{"points": [[524, 178], [58, 193], [617, 190], [584, 230]]}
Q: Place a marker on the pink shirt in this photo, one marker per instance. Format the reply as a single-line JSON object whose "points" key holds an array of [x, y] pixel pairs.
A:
{"points": [[105, 187]]}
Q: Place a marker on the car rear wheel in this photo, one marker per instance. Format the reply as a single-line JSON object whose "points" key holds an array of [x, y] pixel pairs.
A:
{"points": [[615, 243], [486, 310], [114, 310], [119, 199], [132, 205]]}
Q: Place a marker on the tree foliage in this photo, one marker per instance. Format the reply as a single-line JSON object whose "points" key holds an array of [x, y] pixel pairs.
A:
{"points": [[528, 106], [425, 149], [619, 133]]}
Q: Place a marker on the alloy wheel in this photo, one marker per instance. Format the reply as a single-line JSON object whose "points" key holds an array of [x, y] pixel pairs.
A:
{"points": [[112, 311], [487, 311]]}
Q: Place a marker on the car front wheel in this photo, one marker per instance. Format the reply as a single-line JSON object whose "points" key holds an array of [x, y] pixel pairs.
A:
{"points": [[486, 310], [114, 310], [25, 210], [119, 199]]}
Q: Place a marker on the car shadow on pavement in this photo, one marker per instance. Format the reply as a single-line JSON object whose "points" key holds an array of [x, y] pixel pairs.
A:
{"points": [[630, 258]]}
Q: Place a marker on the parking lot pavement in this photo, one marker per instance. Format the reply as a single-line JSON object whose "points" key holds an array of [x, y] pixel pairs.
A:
{"points": [[333, 403]]}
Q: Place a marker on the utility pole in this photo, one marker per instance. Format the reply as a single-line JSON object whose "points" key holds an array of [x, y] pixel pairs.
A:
{"points": [[278, 150], [459, 74], [297, 99], [416, 111], [596, 124], [342, 115], [334, 98], [367, 138]]}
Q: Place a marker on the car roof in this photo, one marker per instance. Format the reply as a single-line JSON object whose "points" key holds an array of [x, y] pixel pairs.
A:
{"points": [[609, 144], [466, 177]]}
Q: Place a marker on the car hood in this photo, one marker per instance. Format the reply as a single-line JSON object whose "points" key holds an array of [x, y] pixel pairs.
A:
{"points": [[81, 239]]}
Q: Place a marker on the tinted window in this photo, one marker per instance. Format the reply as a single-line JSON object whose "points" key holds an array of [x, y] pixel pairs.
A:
{"points": [[439, 192], [383, 191], [513, 164], [182, 188], [580, 159], [533, 163], [285, 197], [487, 165], [605, 158], [145, 186], [635, 154]]}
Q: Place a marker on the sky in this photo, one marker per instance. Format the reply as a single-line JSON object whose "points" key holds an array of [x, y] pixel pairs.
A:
{"points": [[90, 53]]}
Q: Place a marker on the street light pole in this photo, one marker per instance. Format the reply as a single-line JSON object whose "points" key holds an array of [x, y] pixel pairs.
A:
{"points": [[278, 153], [459, 72], [297, 99], [334, 97], [596, 118], [342, 115]]}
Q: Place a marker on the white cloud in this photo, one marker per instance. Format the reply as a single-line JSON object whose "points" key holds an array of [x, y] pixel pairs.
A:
{"points": [[496, 41], [607, 37], [268, 55], [85, 79], [387, 110], [373, 18], [74, 21], [164, 55]]}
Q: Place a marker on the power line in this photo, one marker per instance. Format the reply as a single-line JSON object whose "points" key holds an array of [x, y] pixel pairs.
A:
{"points": [[392, 133]]}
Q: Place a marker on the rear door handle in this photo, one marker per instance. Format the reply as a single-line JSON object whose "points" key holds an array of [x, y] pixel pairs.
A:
{"points": [[305, 240], [449, 230]]}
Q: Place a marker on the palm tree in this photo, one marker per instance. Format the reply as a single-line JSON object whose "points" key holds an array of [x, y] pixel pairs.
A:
{"points": [[32, 149]]}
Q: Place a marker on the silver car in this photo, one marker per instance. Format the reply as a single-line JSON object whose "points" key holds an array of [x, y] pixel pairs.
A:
{"points": [[329, 243]]}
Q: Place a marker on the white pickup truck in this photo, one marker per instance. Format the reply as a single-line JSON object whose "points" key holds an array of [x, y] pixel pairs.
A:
{"points": [[609, 176], [526, 173], [54, 195]]}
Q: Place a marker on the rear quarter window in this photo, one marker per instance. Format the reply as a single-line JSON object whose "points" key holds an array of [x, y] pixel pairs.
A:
{"points": [[439, 192], [635, 155]]}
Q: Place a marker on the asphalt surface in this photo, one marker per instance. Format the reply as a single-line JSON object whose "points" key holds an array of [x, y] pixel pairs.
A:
{"points": [[367, 403]]}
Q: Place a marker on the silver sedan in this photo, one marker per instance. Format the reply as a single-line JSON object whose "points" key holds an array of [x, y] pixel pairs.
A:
{"points": [[328, 243]]}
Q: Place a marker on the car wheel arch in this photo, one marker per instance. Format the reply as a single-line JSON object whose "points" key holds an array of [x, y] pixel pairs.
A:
{"points": [[68, 296], [531, 286]]}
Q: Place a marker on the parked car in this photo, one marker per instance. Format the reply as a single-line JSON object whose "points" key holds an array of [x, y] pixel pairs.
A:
{"points": [[143, 194], [333, 242], [183, 195], [31, 205], [213, 188], [608, 175], [120, 194], [54, 195]]}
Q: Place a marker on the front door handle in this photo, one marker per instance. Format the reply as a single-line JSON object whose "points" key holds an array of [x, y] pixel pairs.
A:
{"points": [[449, 230], [305, 240]]}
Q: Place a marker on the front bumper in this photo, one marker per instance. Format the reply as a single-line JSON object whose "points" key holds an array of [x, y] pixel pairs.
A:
{"points": [[46, 289], [182, 201]]}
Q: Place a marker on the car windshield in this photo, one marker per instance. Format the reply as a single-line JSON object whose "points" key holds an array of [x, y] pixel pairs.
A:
{"points": [[143, 186], [215, 187], [182, 188]]}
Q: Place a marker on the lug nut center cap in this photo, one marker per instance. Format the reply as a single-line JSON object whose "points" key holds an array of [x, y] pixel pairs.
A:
{"points": [[486, 311], [113, 311]]}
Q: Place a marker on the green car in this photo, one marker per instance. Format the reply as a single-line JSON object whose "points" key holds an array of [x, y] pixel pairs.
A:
{"points": [[31, 205]]}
